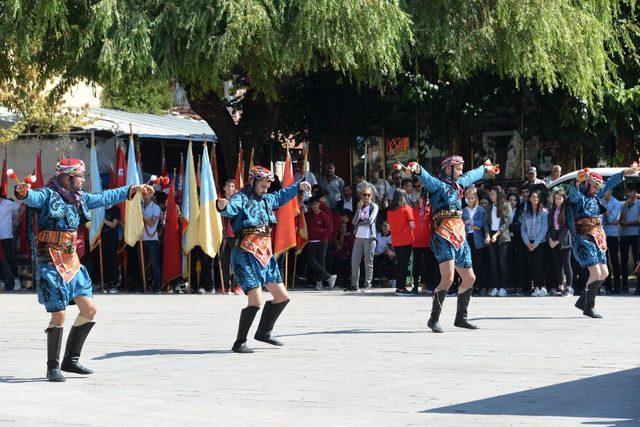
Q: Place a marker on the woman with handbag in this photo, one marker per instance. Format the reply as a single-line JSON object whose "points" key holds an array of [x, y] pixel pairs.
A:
{"points": [[560, 243]]}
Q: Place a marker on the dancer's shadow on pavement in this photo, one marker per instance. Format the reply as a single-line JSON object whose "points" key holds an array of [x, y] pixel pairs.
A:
{"points": [[352, 331], [157, 352], [16, 380], [610, 396]]}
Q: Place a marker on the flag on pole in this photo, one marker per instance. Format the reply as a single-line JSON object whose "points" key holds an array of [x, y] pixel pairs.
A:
{"points": [[239, 176], [214, 165], [38, 171], [251, 160], [180, 179], [120, 175], [171, 256], [97, 214], [190, 207], [302, 236], [165, 168], [210, 220], [139, 163], [133, 223], [285, 233]]}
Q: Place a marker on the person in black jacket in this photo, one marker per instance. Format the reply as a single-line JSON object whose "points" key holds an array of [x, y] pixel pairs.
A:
{"points": [[560, 244]]}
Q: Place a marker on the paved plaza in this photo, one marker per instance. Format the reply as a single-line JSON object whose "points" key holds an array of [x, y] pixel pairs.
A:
{"points": [[361, 360]]}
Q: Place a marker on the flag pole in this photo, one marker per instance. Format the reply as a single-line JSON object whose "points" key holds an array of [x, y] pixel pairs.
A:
{"points": [[286, 269], [142, 264], [295, 265]]}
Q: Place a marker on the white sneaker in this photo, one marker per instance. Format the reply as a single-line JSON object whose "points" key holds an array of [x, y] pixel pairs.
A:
{"points": [[502, 292], [332, 281], [543, 292], [17, 284], [493, 292], [570, 291], [367, 289], [201, 291], [536, 292], [319, 286]]}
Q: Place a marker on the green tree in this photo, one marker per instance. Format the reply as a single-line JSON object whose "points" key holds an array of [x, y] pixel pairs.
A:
{"points": [[149, 96]]}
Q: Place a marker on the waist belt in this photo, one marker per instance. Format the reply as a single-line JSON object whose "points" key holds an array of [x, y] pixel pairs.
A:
{"points": [[440, 215], [256, 241], [591, 227], [59, 247]]}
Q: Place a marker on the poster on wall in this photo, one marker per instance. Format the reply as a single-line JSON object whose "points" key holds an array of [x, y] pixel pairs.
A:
{"points": [[399, 149], [503, 148]]}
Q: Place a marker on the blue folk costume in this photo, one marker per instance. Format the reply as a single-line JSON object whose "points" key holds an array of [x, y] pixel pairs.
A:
{"points": [[590, 240], [59, 276], [252, 260], [449, 240]]}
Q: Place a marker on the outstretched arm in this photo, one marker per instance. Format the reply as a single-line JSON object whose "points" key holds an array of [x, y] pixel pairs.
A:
{"points": [[107, 197], [281, 197], [472, 176], [32, 198], [431, 183], [611, 183]]}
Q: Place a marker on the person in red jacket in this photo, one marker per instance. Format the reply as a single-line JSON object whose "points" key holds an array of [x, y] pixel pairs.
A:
{"points": [[320, 230], [402, 224], [423, 232]]}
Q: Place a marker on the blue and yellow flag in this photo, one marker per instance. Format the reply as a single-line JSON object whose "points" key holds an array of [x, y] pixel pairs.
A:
{"points": [[210, 235], [133, 223], [190, 207]]}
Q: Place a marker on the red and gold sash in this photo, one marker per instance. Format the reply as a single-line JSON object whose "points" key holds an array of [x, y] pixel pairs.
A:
{"points": [[449, 226], [592, 228], [60, 246], [259, 246]]}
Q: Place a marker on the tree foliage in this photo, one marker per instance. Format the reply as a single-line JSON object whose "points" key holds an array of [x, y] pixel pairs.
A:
{"points": [[149, 96]]}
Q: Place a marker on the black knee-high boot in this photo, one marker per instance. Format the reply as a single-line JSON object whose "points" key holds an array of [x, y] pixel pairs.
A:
{"points": [[270, 314], [436, 309], [54, 344], [591, 292], [246, 319], [75, 342], [461, 314]]}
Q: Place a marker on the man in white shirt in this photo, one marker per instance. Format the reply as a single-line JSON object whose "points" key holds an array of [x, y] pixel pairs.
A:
{"points": [[310, 177], [382, 187], [9, 265], [151, 213]]}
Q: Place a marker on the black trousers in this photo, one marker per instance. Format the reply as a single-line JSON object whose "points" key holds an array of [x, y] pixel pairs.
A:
{"points": [[403, 253], [613, 257], [111, 270], [478, 261], [153, 257], [562, 261], [626, 243], [9, 264], [206, 270], [315, 254], [383, 266], [419, 268], [499, 258], [225, 259], [537, 266]]}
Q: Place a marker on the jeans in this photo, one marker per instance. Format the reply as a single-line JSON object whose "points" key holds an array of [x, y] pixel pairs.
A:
{"points": [[315, 254], [152, 249], [499, 258], [562, 261], [626, 243], [403, 253], [9, 264], [536, 262], [362, 247]]}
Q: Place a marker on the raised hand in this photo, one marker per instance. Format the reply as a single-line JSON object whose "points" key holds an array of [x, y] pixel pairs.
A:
{"points": [[222, 204]]}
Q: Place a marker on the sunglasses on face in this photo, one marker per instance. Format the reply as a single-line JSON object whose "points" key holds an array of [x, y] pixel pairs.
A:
{"points": [[366, 194]]}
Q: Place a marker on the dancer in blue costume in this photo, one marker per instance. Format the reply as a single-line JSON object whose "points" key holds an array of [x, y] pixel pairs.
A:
{"points": [[449, 243], [251, 213], [60, 278], [590, 241]]}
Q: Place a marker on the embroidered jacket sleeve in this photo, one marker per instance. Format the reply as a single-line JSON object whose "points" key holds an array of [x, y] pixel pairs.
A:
{"points": [[107, 197], [472, 176], [611, 183], [234, 206], [281, 197], [431, 183], [36, 198]]}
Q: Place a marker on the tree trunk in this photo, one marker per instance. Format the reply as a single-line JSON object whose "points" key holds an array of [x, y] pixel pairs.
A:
{"points": [[213, 110]]}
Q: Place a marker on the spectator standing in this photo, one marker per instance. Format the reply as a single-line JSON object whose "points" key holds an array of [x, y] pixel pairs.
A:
{"points": [[332, 184], [348, 202], [496, 230], [361, 184], [610, 222], [396, 182], [556, 172], [109, 242], [9, 264], [151, 244], [364, 245], [560, 243], [309, 177], [384, 258], [402, 224], [319, 228], [412, 197], [342, 245], [534, 230], [382, 187], [423, 232], [228, 243], [629, 229], [532, 178]]}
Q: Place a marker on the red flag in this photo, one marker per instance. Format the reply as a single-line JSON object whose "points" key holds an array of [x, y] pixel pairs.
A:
{"points": [[302, 236], [171, 252], [38, 171], [285, 235], [239, 171], [3, 189]]}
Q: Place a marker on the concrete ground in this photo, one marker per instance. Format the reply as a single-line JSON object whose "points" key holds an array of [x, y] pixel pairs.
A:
{"points": [[362, 360]]}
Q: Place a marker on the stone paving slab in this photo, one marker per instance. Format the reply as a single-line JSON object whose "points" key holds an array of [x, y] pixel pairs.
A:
{"points": [[349, 360]]}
